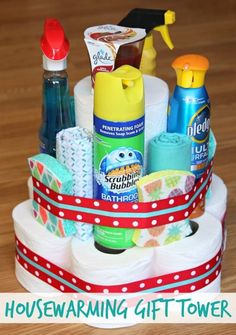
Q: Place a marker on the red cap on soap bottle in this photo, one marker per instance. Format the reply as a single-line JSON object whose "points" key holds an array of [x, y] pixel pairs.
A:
{"points": [[54, 43]]}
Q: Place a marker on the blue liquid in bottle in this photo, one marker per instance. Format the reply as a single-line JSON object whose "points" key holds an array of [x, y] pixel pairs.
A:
{"points": [[56, 114]]}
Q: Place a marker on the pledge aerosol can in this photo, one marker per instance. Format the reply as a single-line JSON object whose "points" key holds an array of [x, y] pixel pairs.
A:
{"points": [[118, 148], [189, 110]]}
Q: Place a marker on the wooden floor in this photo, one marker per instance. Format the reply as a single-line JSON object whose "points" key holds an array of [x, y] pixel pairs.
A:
{"points": [[206, 27]]}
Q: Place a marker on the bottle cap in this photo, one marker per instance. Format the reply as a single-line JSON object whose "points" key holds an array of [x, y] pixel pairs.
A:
{"points": [[190, 70], [54, 45], [119, 95]]}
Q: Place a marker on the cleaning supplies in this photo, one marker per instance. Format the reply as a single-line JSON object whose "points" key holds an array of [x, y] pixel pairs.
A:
{"points": [[118, 145], [53, 175], [189, 111], [157, 186], [150, 19], [156, 98], [169, 151], [75, 151], [110, 46], [56, 113]]}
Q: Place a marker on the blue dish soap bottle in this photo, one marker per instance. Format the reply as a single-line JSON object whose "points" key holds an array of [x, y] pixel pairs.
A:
{"points": [[56, 113]]}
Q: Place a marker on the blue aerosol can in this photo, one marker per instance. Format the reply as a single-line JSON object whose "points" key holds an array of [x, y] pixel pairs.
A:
{"points": [[189, 110]]}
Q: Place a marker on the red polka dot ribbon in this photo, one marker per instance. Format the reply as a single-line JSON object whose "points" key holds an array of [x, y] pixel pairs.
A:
{"points": [[189, 280], [140, 215]]}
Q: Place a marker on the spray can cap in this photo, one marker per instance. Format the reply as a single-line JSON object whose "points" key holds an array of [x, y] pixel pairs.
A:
{"points": [[54, 45], [190, 70], [119, 95]]}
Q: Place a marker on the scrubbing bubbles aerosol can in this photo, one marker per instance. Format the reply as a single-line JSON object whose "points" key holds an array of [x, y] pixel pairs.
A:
{"points": [[118, 147], [189, 110]]}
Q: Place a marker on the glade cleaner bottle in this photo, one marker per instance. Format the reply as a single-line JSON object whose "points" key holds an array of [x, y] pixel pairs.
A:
{"points": [[189, 111], [118, 147], [56, 113]]}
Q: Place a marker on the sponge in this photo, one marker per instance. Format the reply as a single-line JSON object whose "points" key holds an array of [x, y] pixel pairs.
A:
{"points": [[51, 173]]}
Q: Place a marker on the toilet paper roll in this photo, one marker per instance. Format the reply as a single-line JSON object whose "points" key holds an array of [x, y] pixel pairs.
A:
{"points": [[30, 187], [156, 104], [213, 287], [30, 282], [191, 251], [83, 95], [217, 203], [38, 239], [96, 267]]}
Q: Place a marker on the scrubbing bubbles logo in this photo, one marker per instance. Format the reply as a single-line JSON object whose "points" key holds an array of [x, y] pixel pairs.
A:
{"points": [[119, 170], [199, 125]]}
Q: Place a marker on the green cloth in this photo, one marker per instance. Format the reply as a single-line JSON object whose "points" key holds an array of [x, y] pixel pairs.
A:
{"points": [[169, 151], [212, 146]]}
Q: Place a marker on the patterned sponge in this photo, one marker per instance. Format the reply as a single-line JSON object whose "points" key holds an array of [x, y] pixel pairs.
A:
{"points": [[51, 173], [160, 185]]}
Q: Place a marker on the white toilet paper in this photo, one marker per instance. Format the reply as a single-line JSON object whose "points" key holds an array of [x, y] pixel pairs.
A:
{"points": [[96, 267], [83, 95], [191, 251], [156, 104], [105, 269], [38, 238], [30, 282], [213, 287], [30, 187], [217, 203]]}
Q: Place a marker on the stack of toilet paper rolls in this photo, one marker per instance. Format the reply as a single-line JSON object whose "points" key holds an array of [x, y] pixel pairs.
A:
{"points": [[37, 238], [85, 261]]}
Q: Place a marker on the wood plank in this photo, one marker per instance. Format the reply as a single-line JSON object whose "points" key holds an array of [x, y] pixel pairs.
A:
{"points": [[202, 27]]}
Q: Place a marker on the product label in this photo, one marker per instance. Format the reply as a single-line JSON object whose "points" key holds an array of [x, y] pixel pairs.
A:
{"points": [[118, 164], [114, 238], [118, 159], [103, 43], [119, 129], [199, 125], [199, 128]]}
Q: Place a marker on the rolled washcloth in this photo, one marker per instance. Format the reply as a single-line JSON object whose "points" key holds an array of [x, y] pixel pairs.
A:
{"points": [[74, 149], [212, 146], [211, 153], [169, 151], [160, 185]]}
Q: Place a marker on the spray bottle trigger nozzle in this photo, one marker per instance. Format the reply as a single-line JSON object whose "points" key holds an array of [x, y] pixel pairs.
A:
{"points": [[165, 35]]}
